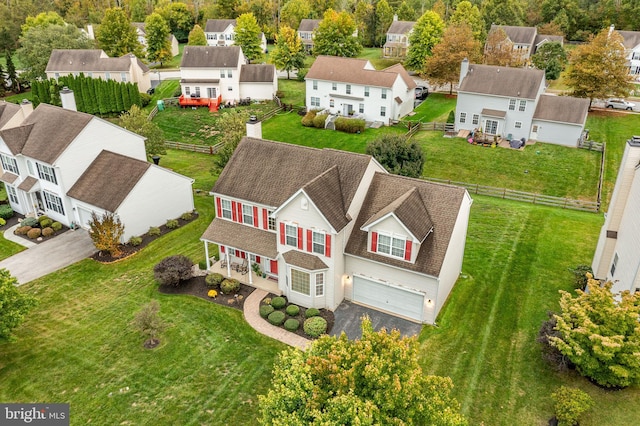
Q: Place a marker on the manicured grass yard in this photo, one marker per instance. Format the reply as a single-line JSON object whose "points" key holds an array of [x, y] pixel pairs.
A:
{"points": [[435, 108]]}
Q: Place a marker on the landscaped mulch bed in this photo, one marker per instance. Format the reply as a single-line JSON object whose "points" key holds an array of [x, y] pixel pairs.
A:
{"points": [[324, 313], [197, 287], [17, 218]]}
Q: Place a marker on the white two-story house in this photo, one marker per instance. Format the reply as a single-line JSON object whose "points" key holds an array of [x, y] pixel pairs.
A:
{"points": [[67, 164], [222, 32], [524, 41], [327, 225], [397, 43], [305, 31], [510, 103], [632, 49], [209, 72], [95, 63], [353, 87], [142, 38]]}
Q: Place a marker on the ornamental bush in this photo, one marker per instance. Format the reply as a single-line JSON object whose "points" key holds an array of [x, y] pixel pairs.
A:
{"points": [[173, 270], [6, 212], [315, 326], [350, 125], [293, 310], [318, 120], [266, 310], [45, 223], [214, 280], [307, 120], [30, 221], [580, 276], [135, 241], [2, 222], [311, 312], [292, 324], [154, 231], [186, 216], [569, 403], [278, 302], [276, 317], [57, 226], [34, 233], [229, 286], [22, 230], [48, 231], [172, 224], [42, 219]]}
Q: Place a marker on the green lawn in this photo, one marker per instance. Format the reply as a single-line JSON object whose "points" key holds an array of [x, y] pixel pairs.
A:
{"points": [[174, 63], [435, 108], [293, 90], [374, 55], [7, 248]]}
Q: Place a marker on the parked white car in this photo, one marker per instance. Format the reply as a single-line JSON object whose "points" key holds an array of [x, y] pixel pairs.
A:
{"points": [[619, 104]]}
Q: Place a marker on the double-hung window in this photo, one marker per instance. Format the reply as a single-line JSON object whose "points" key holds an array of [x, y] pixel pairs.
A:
{"points": [[291, 235], [222, 74], [383, 111], [47, 173], [53, 202], [348, 89], [334, 86], [318, 242], [320, 284], [247, 214], [391, 245], [361, 108], [11, 192], [475, 120], [523, 106], [315, 101], [123, 77], [518, 124], [384, 94], [366, 91], [463, 117], [9, 164], [315, 84], [512, 104], [226, 209]]}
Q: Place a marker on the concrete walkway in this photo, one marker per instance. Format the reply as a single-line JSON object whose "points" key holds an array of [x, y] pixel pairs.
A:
{"points": [[252, 316], [42, 259], [10, 236]]}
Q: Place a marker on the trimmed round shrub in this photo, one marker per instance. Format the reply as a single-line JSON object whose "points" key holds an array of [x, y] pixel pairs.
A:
{"points": [[293, 310], [135, 241], [266, 310], [173, 270], [48, 231], [214, 280], [2, 222], [22, 230], [307, 120], [291, 324], [276, 317], [57, 226], [172, 224], [43, 218], [30, 221], [186, 216], [45, 223], [34, 233], [202, 265], [229, 286], [315, 326], [311, 312], [154, 231], [278, 302], [6, 212]]}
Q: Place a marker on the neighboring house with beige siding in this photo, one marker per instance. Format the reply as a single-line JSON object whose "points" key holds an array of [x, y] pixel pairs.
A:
{"points": [[95, 63], [397, 42], [305, 31], [142, 38]]}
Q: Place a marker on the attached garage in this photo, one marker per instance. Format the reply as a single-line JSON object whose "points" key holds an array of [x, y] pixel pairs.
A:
{"points": [[388, 298], [85, 217]]}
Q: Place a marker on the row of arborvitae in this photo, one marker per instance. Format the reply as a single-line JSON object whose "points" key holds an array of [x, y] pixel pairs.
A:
{"points": [[276, 312], [35, 228]]}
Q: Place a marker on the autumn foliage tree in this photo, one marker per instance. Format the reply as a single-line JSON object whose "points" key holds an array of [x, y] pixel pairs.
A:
{"points": [[288, 54], [426, 33], [158, 43], [374, 380], [498, 49], [334, 35], [116, 36], [248, 36], [197, 36], [106, 231]]}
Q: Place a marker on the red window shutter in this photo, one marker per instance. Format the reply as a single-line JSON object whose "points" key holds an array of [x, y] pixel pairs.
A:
{"points": [[243, 254], [265, 219], [327, 245], [257, 259], [300, 242], [255, 216], [407, 250], [309, 240], [219, 205], [282, 240], [239, 206], [374, 242], [221, 249], [237, 253], [274, 266], [234, 211]]}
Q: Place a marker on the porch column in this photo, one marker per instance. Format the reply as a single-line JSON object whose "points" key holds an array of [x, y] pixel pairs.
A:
{"points": [[250, 268], [228, 256], [206, 254]]}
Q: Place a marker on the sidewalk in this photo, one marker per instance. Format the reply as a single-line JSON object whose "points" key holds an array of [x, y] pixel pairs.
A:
{"points": [[252, 316], [10, 236]]}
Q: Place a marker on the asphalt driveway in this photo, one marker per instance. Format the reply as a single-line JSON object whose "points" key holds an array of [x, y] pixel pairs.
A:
{"points": [[347, 318], [50, 256]]}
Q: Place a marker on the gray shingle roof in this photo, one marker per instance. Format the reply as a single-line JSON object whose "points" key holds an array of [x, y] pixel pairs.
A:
{"points": [[218, 25], [400, 27], [211, 56], [269, 173], [326, 194], [28, 184], [88, 60], [443, 203], [7, 111], [46, 132], [494, 112], [308, 24], [304, 260], [542, 37], [502, 81], [8, 177], [349, 70], [564, 109], [257, 73], [108, 180], [402, 72], [518, 35], [631, 38], [242, 237]]}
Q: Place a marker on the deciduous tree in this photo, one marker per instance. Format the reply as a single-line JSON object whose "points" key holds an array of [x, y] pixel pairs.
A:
{"points": [[502, 12], [406, 12], [384, 18], [43, 19], [179, 17], [116, 36], [470, 14], [498, 50], [248, 36], [149, 324], [551, 58], [444, 64], [158, 43], [197, 36], [288, 53], [365, 18], [598, 69], [233, 126], [398, 155], [374, 380], [105, 232], [136, 121], [426, 33], [14, 305], [334, 35], [293, 12]]}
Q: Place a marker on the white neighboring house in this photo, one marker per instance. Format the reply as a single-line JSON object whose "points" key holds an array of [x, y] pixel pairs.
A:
{"points": [[222, 32], [632, 49], [327, 225], [95, 63], [209, 72], [616, 258], [525, 40], [397, 43], [142, 38], [353, 87], [510, 102], [305, 31], [67, 164]]}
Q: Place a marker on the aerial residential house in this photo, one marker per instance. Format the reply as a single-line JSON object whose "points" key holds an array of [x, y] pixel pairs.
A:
{"points": [[353, 87], [327, 225], [524, 41], [210, 72], [632, 49], [397, 43], [142, 38], [67, 164], [95, 63], [616, 258], [305, 31], [510, 103], [222, 32]]}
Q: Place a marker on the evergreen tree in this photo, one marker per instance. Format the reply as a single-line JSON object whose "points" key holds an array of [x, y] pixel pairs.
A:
{"points": [[86, 96], [113, 105], [77, 91], [3, 82], [103, 101], [126, 99], [93, 95], [134, 94], [117, 92], [14, 82]]}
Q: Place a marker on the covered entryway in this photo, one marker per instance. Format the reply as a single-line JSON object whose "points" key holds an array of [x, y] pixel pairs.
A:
{"points": [[388, 298]]}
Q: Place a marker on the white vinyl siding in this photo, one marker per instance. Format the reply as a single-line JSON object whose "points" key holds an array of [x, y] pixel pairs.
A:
{"points": [[53, 202], [47, 173], [9, 164]]}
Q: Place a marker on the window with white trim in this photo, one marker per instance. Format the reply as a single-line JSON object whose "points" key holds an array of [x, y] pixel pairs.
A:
{"points": [[222, 74], [366, 91], [226, 209], [271, 220], [47, 173], [320, 284], [523, 106], [197, 89], [53, 202], [291, 235], [230, 88], [9, 164], [331, 103], [334, 86], [383, 111], [315, 84], [614, 264], [230, 73], [518, 125], [11, 193], [361, 108], [318, 242], [475, 120], [384, 94], [107, 76], [512, 104], [463, 117], [187, 90], [315, 101], [300, 282], [123, 77], [348, 89], [247, 214], [391, 245]]}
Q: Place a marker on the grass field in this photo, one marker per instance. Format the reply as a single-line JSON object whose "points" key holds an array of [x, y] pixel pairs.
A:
{"points": [[435, 108], [175, 61]]}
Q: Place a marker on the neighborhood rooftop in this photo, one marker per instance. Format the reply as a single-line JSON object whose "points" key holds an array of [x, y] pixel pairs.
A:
{"points": [[256, 73], [502, 81], [7, 111], [518, 35], [210, 56], [562, 109], [400, 27], [348, 70], [308, 24], [218, 25], [90, 60]]}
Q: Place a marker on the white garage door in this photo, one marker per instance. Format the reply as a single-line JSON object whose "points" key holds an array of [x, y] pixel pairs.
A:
{"points": [[388, 298], [85, 217]]}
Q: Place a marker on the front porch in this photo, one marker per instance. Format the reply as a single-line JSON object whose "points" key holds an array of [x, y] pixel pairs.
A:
{"points": [[249, 278]]}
